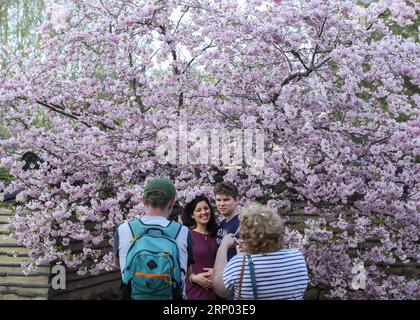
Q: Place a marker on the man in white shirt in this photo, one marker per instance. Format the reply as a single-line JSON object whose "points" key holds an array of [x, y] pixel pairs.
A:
{"points": [[159, 199]]}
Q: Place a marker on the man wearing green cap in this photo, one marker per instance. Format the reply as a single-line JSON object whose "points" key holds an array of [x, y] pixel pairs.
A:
{"points": [[159, 198]]}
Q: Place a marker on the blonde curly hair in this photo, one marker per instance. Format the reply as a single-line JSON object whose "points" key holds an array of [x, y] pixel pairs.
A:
{"points": [[261, 229]]}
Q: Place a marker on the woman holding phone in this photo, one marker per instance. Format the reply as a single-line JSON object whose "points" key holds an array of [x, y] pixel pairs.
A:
{"points": [[265, 270]]}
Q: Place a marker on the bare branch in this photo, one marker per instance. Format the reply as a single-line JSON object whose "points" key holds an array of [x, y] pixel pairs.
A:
{"points": [[298, 76], [107, 10], [88, 46], [284, 54], [179, 21], [204, 49], [70, 115], [133, 84], [297, 55], [52, 153], [322, 28], [175, 68], [371, 25], [60, 111]]}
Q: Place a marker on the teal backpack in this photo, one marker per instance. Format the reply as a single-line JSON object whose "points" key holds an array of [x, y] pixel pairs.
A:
{"points": [[152, 268]]}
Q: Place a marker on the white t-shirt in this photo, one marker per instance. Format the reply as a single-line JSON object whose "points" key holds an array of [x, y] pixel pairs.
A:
{"points": [[123, 238], [280, 275]]}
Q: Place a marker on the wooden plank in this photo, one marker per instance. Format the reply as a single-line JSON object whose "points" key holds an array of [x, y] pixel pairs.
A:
{"points": [[11, 259], [11, 250], [6, 239], [74, 283], [105, 290], [11, 243], [73, 276], [17, 269], [21, 274], [5, 218], [26, 280], [5, 212], [88, 285], [4, 228], [34, 291], [13, 295], [25, 285]]}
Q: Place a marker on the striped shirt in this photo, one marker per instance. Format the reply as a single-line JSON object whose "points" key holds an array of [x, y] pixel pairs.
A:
{"points": [[279, 275]]}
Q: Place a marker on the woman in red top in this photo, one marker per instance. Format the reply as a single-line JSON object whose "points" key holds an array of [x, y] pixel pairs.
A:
{"points": [[200, 218]]}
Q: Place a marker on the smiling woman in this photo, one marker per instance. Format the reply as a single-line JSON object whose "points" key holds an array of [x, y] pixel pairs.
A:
{"points": [[199, 216]]}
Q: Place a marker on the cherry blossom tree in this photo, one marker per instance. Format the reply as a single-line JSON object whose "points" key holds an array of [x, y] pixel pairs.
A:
{"points": [[331, 83]]}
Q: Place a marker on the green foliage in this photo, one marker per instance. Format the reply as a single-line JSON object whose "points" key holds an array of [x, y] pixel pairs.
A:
{"points": [[410, 31], [41, 120], [357, 122], [410, 89], [18, 18], [5, 176], [339, 116], [3, 131]]}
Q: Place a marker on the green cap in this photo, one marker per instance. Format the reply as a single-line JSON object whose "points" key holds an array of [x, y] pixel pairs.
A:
{"points": [[159, 189]]}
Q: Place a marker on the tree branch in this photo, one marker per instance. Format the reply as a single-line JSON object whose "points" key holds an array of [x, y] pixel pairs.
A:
{"points": [[192, 60], [70, 115], [133, 84], [60, 111], [175, 68], [299, 75], [284, 54], [179, 21]]}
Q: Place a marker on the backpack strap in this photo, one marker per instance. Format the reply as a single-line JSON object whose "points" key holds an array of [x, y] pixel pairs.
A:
{"points": [[252, 272], [241, 277], [172, 230], [138, 228]]}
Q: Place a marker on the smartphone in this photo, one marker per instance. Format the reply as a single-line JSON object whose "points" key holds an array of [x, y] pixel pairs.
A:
{"points": [[237, 237]]}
